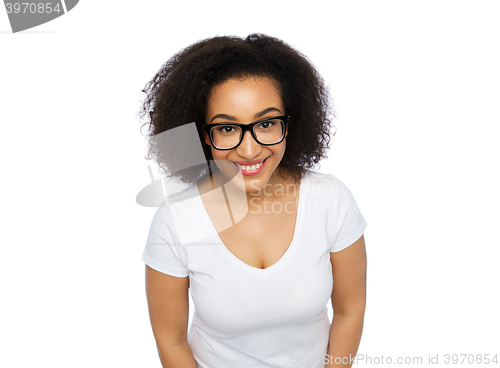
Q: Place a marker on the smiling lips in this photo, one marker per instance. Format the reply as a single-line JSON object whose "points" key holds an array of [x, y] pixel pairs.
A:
{"points": [[250, 168]]}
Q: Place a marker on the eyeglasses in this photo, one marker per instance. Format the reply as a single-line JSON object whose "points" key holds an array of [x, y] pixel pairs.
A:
{"points": [[267, 132]]}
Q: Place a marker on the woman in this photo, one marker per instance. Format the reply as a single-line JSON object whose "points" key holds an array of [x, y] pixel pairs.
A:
{"points": [[261, 267]]}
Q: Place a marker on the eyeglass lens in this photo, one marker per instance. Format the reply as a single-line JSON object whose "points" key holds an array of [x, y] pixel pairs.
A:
{"points": [[266, 132]]}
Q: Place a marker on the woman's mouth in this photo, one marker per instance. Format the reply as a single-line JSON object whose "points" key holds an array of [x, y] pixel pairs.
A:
{"points": [[250, 169]]}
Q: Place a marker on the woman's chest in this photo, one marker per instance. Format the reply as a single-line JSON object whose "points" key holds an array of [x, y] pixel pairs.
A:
{"points": [[260, 240], [233, 297]]}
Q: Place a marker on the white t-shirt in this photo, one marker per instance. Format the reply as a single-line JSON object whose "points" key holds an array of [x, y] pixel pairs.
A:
{"points": [[250, 317]]}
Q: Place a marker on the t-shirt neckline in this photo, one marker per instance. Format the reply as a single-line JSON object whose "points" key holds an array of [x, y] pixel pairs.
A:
{"points": [[291, 246]]}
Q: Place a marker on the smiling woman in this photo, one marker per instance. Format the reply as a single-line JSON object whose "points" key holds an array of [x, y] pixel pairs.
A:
{"points": [[260, 240], [257, 153]]}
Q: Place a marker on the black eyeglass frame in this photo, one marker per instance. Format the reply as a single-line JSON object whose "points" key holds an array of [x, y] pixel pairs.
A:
{"points": [[244, 128]]}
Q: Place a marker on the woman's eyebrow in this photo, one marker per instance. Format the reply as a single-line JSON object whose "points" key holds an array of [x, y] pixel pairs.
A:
{"points": [[258, 115], [224, 116], [264, 112]]}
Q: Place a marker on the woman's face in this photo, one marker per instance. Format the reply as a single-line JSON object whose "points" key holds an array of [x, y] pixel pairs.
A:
{"points": [[245, 101]]}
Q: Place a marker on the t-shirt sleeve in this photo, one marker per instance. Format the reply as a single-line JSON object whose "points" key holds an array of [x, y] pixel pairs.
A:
{"points": [[346, 224], [161, 253]]}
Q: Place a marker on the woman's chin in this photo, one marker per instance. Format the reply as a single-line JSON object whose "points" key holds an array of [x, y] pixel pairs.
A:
{"points": [[248, 185]]}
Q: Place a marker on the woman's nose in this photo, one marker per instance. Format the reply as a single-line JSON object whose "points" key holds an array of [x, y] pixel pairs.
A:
{"points": [[249, 148]]}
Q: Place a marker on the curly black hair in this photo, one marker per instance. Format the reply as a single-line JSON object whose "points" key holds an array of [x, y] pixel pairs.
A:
{"points": [[179, 92]]}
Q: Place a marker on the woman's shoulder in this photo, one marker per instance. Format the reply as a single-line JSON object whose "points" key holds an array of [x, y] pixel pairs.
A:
{"points": [[325, 184], [184, 194], [176, 195]]}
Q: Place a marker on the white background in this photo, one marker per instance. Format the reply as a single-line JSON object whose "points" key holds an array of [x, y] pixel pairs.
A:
{"points": [[416, 87]]}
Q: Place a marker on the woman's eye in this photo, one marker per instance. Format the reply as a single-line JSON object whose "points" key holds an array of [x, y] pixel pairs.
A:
{"points": [[225, 129], [266, 124]]}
